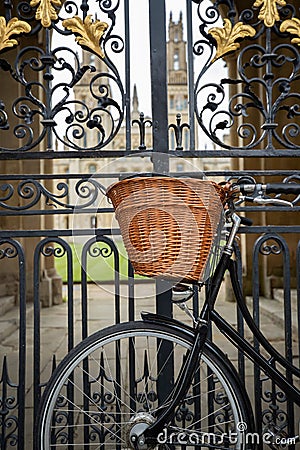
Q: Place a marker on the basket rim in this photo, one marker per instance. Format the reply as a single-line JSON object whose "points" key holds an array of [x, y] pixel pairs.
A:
{"points": [[166, 178]]}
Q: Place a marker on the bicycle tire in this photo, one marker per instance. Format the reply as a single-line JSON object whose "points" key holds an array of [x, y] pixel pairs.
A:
{"points": [[81, 409]]}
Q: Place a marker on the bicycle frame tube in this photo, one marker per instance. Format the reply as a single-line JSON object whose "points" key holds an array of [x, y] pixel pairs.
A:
{"points": [[240, 343], [207, 314], [253, 327]]}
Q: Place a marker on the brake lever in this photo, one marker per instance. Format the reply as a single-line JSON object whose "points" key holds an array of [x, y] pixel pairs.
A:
{"points": [[274, 201], [263, 201], [243, 199]]}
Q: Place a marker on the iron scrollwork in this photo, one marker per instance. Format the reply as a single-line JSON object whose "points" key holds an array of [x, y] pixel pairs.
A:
{"points": [[274, 417], [28, 193], [56, 250], [261, 97], [271, 249], [48, 108], [292, 179], [95, 251], [8, 252], [3, 117]]}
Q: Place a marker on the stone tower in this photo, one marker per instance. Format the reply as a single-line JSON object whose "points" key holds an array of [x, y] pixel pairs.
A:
{"points": [[177, 78], [176, 53]]}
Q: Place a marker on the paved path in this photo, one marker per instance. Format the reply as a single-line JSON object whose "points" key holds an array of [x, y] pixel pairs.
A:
{"points": [[101, 313]]}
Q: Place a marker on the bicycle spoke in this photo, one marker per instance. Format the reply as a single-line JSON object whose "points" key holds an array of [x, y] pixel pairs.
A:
{"points": [[90, 417], [117, 384], [102, 398]]}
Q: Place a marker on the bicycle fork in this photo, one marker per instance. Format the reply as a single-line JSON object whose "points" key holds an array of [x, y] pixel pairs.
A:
{"points": [[182, 385]]}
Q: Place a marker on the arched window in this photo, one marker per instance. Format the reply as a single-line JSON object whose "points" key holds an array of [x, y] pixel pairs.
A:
{"points": [[172, 102], [179, 103], [185, 102], [186, 139], [176, 61], [93, 221], [172, 145]]}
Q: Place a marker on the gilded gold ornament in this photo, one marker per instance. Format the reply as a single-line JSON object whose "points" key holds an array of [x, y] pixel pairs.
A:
{"points": [[227, 37], [269, 12], [88, 32], [292, 26], [46, 11], [14, 26]]}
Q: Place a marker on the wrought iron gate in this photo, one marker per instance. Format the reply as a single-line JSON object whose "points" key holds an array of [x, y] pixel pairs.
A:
{"points": [[69, 123]]}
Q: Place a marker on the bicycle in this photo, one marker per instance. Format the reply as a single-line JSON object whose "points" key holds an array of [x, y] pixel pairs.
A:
{"points": [[160, 383]]}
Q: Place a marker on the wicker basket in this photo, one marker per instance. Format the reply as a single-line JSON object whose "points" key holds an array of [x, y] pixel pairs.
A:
{"points": [[168, 224]]}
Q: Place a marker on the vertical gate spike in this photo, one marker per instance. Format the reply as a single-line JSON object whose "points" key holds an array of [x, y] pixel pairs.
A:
{"points": [[53, 363], [4, 376]]}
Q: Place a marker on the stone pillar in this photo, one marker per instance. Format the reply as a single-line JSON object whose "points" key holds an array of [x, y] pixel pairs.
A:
{"points": [[10, 90], [271, 267]]}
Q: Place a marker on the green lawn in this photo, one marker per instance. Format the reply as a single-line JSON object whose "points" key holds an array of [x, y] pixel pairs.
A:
{"points": [[100, 267]]}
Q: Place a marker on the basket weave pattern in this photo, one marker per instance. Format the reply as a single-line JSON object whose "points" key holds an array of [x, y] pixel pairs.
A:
{"points": [[168, 224]]}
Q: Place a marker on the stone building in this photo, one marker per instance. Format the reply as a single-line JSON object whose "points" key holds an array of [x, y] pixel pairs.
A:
{"points": [[178, 114]]}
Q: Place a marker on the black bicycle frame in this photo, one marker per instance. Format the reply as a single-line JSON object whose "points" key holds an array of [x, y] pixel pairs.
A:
{"points": [[207, 315], [239, 342]]}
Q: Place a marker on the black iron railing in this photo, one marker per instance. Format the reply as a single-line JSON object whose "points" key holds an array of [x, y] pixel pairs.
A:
{"points": [[62, 102]]}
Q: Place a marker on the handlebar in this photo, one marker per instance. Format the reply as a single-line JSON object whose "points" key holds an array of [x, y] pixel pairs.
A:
{"points": [[283, 188], [246, 221], [256, 193], [269, 188]]}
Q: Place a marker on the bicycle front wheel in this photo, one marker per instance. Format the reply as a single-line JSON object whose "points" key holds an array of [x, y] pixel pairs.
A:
{"points": [[121, 377]]}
